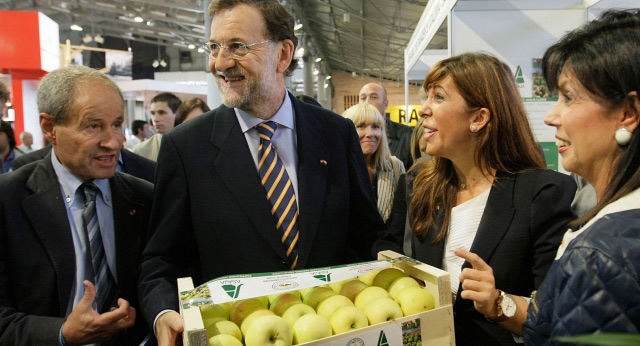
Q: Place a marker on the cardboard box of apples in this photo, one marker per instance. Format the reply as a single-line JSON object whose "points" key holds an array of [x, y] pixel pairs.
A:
{"points": [[393, 301]]}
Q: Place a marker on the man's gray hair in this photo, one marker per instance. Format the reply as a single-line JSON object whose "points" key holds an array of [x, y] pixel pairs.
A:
{"points": [[56, 90]]}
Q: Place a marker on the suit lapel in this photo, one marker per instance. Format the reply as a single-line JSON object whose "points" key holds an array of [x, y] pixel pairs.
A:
{"points": [[235, 166], [495, 219], [313, 161], [128, 220], [46, 211]]}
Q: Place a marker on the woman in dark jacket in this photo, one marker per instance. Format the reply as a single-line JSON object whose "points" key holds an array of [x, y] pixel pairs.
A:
{"points": [[485, 208], [594, 286]]}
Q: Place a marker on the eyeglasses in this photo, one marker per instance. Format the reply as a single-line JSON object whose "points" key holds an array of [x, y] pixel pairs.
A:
{"points": [[235, 49]]}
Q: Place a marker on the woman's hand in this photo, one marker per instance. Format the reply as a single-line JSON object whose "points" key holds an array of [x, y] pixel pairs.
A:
{"points": [[478, 284]]}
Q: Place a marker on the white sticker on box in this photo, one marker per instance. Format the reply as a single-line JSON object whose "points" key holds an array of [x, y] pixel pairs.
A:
{"points": [[390, 335], [238, 287]]}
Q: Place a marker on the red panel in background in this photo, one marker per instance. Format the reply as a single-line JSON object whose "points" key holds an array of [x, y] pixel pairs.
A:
{"points": [[20, 40]]}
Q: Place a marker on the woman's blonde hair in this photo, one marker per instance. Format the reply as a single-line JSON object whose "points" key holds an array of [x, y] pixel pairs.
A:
{"points": [[418, 132], [363, 114]]}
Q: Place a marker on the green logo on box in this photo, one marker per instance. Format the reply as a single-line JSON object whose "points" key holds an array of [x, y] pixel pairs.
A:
{"points": [[325, 278], [232, 290], [382, 339]]}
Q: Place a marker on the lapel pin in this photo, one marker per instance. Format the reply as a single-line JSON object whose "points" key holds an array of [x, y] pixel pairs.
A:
{"points": [[132, 212], [323, 162]]}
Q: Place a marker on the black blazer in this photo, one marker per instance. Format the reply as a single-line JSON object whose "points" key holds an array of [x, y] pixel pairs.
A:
{"points": [[37, 261], [523, 223], [399, 136], [212, 217]]}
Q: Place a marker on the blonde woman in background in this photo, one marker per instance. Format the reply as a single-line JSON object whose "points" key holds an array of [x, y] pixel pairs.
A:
{"points": [[418, 142], [384, 169]]}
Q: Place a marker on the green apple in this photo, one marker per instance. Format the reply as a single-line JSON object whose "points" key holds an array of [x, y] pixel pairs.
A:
{"points": [[399, 284], [242, 308], [224, 327], [337, 286], [293, 313], [327, 307], [305, 291], [386, 276], [414, 300], [318, 294], [213, 313], [283, 302], [352, 288], [272, 297], [264, 300], [310, 327], [269, 330], [347, 318], [381, 310], [368, 295], [224, 340], [252, 317], [367, 278]]}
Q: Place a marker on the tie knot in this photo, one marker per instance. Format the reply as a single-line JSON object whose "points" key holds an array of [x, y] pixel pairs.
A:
{"points": [[89, 192], [267, 128]]}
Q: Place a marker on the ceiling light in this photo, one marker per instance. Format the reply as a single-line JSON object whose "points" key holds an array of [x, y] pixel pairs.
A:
{"points": [[300, 52], [163, 63], [129, 48], [76, 27], [346, 17], [200, 50], [98, 38], [326, 85], [87, 38], [297, 26], [151, 22], [353, 74], [191, 46], [328, 77], [318, 59], [138, 19], [155, 63], [315, 72]]}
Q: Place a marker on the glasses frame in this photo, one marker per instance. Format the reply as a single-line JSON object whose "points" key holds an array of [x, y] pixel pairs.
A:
{"points": [[209, 50]]}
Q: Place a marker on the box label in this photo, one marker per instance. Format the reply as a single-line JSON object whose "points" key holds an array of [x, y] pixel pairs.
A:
{"points": [[236, 287]]}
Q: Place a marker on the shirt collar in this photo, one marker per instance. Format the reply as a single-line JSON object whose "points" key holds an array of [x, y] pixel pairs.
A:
{"points": [[284, 116], [70, 183]]}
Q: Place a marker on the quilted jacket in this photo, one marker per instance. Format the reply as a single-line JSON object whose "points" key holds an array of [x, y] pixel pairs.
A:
{"points": [[594, 286]]}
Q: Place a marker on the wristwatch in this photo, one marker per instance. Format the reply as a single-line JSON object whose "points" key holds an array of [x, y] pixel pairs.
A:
{"points": [[506, 306]]}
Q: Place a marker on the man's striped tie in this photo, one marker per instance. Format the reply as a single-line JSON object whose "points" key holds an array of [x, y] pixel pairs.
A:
{"points": [[279, 190], [101, 275]]}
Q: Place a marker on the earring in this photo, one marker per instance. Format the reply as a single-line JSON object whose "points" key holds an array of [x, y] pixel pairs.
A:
{"points": [[473, 128], [623, 136]]}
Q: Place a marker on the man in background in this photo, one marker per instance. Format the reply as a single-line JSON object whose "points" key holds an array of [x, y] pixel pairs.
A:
{"points": [[140, 129], [399, 135], [27, 141], [263, 183], [72, 228], [163, 114]]}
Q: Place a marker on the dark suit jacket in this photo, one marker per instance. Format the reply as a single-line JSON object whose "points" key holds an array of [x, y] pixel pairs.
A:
{"points": [[138, 166], [212, 217], [522, 225], [132, 163], [37, 261], [400, 142]]}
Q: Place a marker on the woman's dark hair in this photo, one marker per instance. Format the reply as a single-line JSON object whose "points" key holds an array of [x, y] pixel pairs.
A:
{"points": [[6, 128], [187, 106], [505, 144], [278, 21], [604, 56]]}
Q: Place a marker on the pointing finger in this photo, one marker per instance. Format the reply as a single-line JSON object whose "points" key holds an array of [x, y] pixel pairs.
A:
{"points": [[473, 259]]}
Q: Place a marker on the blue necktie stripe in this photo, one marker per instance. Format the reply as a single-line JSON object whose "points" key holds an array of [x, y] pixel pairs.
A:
{"points": [[279, 191], [101, 275]]}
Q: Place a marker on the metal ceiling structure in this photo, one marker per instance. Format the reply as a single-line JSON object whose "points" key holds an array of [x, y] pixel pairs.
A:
{"points": [[363, 36]]}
